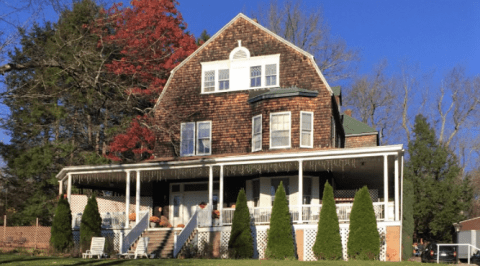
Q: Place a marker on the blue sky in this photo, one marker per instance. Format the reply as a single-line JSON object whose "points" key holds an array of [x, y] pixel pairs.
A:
{"points": [[437, 35]]}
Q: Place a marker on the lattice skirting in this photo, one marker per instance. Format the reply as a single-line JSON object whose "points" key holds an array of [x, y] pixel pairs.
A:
{"points": [[311, 234], [112, 239]]}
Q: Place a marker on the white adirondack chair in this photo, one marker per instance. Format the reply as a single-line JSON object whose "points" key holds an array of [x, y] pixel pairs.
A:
{"points": [[96, 248], [141, 249]]}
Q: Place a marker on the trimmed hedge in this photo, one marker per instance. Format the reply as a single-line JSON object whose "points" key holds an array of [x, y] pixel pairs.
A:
{"points": [[91, 224], [363, 239], [280, 237], [240, 245], [328, 244], [408, 222], [61, 232]]}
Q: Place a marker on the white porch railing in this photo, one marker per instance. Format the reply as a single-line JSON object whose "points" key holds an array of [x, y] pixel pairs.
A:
{"points": [[110, 220], [204, 218], [136, 231], [180, 240], [310, 213]]}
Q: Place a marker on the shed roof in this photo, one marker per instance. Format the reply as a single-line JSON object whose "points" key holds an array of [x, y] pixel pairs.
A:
{"points": [[354, 127], [280, 93]]}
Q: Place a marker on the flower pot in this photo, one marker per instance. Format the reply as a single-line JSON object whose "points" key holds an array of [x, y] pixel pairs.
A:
{"points": [[132, 224], [153, 225]]}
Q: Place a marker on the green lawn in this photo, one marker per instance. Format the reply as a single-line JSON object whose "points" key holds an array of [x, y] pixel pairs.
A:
{"points": [[15, 259]]}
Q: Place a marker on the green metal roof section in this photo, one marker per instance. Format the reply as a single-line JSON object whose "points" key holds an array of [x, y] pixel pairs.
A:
{"points": [[336, 90], [354, 127], [280, 93]]}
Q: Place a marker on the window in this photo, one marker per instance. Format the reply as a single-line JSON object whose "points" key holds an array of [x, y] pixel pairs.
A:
{"points": [[307, 190], [223, 79], [176, 206], [187, 139], [201, 145], [306, 129], [256, 192], [275, 182], [204, 138], [209, 81], [280, 130], [271, 75], [256, 76], [257, 133]]}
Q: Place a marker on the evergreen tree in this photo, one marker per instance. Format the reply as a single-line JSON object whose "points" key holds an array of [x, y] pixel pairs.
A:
{"points": [[91, 224], [240, 245], [363, 239], [440, 192], [280, 237], [61, 232], [408, 225], [328, 244]]}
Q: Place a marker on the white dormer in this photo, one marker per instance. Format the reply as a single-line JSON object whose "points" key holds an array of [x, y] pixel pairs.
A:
{"points": [[241, 72]]}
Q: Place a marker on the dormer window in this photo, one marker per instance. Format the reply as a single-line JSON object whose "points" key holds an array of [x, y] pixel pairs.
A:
{"points": [[256, 76], [241, 72]]}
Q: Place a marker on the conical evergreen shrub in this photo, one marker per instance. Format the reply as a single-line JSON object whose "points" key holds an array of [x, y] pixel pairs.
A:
{"points": [[328, 244], [408, 225], [280, 237], [61, 232], [240, 245], [363, 239], [91, 224]]}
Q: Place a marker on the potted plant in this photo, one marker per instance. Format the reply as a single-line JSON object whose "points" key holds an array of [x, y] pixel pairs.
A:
{"points": [[216, 216], [132, 217], [202, 205], [154, 220]]}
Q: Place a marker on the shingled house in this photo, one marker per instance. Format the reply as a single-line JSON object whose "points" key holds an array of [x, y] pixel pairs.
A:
{"points": [[247, 109]]}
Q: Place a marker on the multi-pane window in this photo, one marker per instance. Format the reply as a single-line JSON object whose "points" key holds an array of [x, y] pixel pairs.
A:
{"points": [[256, 192], [257, 133], [306, 129], [223, 79], [199, 145], [275, 183], [204, 138], [209, 81], [187, 143], [256, 76], [270, 75], [307, 190], [280, 130]]}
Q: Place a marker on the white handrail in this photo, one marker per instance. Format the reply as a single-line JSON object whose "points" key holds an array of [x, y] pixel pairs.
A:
{"points": [[136, 232], [180, 240], [471, 246]]}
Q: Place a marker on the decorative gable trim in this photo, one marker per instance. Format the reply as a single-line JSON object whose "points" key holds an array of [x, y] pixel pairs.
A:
{"points": [[240, 15]]}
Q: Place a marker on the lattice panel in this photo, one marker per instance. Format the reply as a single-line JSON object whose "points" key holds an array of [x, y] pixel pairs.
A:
{"points": [[202, 241], [344, 235], [225, 237], [383, 244], [110, 204], [260, 243], [309, 237]]}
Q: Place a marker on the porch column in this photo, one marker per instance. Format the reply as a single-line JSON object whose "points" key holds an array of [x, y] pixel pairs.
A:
{"points": [[210, 187], [127, 199], [69, 189], [300, 191], [385, 186], [221, 196], [397, 218], [60, 187], [137, 197]]}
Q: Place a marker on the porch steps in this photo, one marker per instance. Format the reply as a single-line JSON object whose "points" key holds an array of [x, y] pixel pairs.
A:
{"points": [[161, 243]]}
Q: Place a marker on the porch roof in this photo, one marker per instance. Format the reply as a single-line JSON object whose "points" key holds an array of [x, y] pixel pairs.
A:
{"points": [[114, 170]]}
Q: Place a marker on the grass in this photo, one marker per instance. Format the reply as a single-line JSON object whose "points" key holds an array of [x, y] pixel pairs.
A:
{"points": [[16, 259]]}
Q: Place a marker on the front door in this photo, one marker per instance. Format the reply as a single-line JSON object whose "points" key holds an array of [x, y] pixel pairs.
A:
{"points": [[176, 212]]}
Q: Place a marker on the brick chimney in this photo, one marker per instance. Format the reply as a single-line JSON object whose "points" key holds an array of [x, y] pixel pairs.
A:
{"points": [[348, 112]]}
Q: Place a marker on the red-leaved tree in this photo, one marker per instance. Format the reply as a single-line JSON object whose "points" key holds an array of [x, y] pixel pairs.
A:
{"points": [[151, 40]]}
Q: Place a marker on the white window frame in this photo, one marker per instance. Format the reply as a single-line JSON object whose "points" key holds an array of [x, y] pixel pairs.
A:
{"points": [[253, 133], [197, 140], [265, 75], [239, 80], [289, 131], [301, 130], [222, 80], [181, 139], [214, 80], [260, 77]]}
